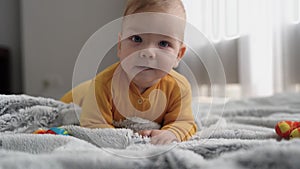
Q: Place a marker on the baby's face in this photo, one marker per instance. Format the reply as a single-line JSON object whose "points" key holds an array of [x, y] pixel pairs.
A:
{"points": [[146, 58]]}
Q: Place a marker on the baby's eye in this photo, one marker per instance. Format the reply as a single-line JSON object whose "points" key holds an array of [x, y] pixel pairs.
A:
{"points": [[164, 44], [136, 38]]}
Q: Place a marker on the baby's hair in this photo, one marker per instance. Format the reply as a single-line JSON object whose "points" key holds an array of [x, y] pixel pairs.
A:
{"points": [[137, 6]]}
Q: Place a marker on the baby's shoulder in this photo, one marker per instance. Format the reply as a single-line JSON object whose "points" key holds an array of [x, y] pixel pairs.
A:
{"points": [[178, 79], [105, 76], [174, 82]]}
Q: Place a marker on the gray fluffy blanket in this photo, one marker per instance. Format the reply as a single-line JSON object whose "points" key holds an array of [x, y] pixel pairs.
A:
{"points": [[238, 135]]}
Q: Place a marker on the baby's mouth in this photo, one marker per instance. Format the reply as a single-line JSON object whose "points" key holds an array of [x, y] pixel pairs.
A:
{"points": [[145, 68]]}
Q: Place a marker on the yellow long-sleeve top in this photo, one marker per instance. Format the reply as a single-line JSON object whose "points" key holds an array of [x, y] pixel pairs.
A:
{"points": [[102, 103]]}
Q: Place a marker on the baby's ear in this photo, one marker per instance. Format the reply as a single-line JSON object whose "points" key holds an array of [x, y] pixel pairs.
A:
{"points": [[181, 53]]}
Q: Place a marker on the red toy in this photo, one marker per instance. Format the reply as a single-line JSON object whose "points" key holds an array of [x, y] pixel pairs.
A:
{"points": [[285, 128]]}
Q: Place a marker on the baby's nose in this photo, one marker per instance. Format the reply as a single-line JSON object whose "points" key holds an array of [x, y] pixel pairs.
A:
{"points": [[148, 53]]}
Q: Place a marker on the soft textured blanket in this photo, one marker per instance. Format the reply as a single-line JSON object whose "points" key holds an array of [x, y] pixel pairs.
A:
{"points": [[239, 135]]}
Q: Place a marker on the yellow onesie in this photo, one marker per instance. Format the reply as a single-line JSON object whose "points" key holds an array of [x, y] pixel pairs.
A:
{"points": [[99, 110]]}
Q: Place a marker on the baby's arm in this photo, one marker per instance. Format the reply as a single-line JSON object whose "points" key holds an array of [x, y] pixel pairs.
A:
{"points": [[179, 119], [96, 108], [179, 124]]}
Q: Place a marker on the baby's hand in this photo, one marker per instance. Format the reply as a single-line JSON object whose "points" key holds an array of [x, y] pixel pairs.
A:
{"points": [[159, 136]]}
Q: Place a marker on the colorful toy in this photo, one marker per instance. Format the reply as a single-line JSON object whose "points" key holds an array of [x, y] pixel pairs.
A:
{"points": [[58, 130], [285, 128], [53, 130]]}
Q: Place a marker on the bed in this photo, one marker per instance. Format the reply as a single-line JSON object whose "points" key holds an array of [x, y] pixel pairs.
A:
{"points": [[239, 134]]}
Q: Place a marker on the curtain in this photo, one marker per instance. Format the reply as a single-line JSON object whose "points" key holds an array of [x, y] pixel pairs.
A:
{"points": [[268, 40]]}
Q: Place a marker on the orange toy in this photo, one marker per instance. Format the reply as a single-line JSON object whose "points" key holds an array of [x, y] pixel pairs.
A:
{"points": [[40, 131], [285, 128]]}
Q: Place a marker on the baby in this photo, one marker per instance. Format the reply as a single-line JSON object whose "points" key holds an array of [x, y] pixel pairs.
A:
{"points": [[143, 84]]}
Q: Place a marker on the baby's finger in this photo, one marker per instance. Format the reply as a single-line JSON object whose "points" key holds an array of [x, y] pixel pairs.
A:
{"points": [[154, 140], [161, 141], [166, 141], [145, 132]]}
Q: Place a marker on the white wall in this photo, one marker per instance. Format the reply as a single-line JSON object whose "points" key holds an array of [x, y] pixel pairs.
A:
{"points": [[54, 31], [292, 56], [10, 37]]}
